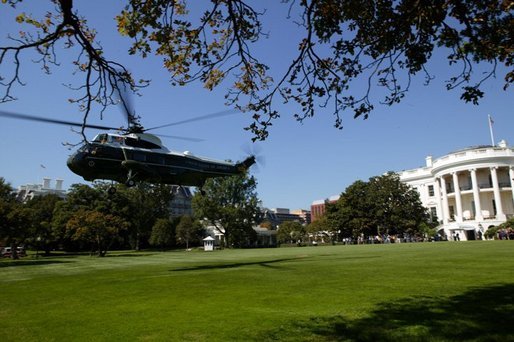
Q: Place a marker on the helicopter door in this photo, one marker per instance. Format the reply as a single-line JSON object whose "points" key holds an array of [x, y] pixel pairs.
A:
{"points": [[139, 156]]}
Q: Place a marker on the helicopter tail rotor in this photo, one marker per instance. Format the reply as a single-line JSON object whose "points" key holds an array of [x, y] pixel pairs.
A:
{"points": [[255, 159]]}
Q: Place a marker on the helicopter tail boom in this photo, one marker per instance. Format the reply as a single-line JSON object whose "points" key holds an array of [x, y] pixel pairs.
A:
{"points": [[246, 164]]}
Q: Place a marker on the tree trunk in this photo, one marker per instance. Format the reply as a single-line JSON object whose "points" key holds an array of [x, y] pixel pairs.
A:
{"points": [[14, 251]]}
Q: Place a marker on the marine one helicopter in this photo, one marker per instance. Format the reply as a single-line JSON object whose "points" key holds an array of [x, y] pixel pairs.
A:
{"points": [[133, 156]]}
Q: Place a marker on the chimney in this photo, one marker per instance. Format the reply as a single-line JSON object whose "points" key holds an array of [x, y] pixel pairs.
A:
{"points": [[429, 161], [58, 184], [46, 183]]}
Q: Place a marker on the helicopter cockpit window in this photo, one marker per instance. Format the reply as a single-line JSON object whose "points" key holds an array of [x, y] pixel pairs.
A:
{"points": [[101, 138], [140, 143]]}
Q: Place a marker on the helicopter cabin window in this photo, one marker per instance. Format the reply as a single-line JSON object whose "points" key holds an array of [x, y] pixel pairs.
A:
{"points": [[118, 140], [140, 143]]}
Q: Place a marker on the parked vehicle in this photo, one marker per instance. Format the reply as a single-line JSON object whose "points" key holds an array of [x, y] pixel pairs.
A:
{"points": [[6, 252]]}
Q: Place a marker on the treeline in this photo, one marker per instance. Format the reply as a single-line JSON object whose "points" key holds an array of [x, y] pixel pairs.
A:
{"points": [[382, 208], [92, 219]]}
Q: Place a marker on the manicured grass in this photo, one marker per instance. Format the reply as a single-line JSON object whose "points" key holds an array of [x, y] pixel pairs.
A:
{"points": [[441, 291]]}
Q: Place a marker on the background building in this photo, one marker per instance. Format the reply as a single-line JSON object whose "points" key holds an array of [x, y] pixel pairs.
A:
{"points": [[467, 191], [29, 191], [318, 207], [276, 216], [304, 215], [181, 203]]}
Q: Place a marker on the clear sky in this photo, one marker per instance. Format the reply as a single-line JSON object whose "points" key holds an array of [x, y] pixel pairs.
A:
{"points": [[304, 162]]}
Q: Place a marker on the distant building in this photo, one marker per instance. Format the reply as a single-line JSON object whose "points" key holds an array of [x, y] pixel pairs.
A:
{"points": [[29, 191], [277, 216], [181, 203], [318, 207], [305, 215], [468, 191]]}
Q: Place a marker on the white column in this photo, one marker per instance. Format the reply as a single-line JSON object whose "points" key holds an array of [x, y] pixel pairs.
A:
{"points": [[446, 209], [437, 189], [511, 176], [497, 197], [476, 196], [458, 200]]}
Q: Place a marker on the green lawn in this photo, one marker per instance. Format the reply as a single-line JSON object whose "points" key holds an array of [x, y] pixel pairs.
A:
{"points": [[441, 291]]}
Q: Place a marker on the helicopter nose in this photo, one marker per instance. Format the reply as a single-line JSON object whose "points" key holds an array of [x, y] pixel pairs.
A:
{"points": [[75, 162]]}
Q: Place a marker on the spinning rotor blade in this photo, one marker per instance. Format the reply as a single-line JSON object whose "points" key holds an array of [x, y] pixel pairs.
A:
{"points": [[199, 118], [180, 138], [256, 152], [127, 105], [54, 121]]}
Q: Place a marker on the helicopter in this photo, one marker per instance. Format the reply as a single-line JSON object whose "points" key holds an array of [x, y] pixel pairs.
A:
{"points": [[133, 155]]}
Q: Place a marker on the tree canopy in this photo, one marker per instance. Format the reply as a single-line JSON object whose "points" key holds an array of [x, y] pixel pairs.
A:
{"points": [[129, 215], [231, 205], [189, 231], [384, 43], [291, 232], [382, 205], [16, 221], [96, 228]]}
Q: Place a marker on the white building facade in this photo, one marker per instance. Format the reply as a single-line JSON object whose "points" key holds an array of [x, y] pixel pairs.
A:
{"points": [[468, 191], [29, 191]]}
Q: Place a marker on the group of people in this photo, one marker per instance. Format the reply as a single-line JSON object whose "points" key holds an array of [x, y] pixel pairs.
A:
{"points": [[506, 234], [384, 238]]}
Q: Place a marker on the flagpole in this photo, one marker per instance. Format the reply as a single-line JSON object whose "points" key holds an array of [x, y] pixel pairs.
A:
{"points": [[491, 129]]}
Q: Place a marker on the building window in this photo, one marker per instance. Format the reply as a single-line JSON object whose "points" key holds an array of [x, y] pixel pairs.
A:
{"points": [[433, 214], [452, 213], [449, 187], [431, 190]]}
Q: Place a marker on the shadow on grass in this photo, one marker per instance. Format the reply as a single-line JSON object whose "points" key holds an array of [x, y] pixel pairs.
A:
{"points": [[19, 263], [128, 255], [269, 263], [480, 314]]}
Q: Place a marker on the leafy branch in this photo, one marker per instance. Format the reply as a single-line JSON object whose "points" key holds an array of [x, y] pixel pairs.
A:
{"points": [[105, 81], [353, 53]]}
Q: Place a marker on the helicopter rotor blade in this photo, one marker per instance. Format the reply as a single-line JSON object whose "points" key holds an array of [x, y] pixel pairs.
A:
{"points": [[127, 104], [180, 138], [53, 121], [199, 118]]}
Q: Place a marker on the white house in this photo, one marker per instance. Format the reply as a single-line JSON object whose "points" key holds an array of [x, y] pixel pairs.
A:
{"points": [[468, 190], [29, 191]]}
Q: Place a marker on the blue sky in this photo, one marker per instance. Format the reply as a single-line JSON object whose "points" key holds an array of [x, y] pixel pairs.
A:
{"points": [[304, 162]]}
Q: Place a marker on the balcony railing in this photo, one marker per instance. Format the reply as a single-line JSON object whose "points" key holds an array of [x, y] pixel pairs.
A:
{"points": [[485, 186]]}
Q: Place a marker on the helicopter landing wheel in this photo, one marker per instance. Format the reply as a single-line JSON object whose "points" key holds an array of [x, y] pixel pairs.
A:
{"points": [[130, 179], [111, 191]]}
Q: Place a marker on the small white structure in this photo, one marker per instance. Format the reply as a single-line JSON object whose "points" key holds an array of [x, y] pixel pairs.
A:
{"points": [[208, 243]]}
